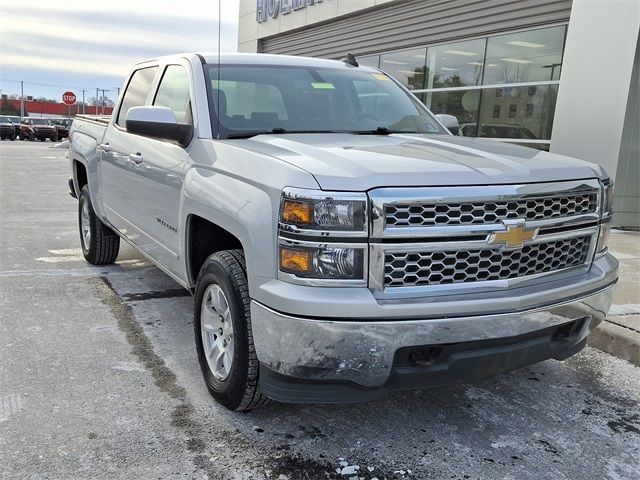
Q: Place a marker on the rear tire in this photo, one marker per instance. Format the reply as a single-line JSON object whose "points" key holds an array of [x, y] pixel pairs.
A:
{"points": [[100, 244], [222, 326]]}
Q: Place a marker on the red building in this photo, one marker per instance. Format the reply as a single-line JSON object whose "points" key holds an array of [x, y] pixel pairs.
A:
{"points": [[35, 108]]}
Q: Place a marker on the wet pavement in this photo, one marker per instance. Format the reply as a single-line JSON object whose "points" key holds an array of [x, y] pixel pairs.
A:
{"points": [[99, 379]]}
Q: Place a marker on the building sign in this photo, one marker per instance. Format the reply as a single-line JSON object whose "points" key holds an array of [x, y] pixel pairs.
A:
{"points": [[266, 9]]}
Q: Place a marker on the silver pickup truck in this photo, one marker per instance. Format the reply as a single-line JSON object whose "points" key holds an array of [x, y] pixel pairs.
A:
{"points": [[339, 241]]}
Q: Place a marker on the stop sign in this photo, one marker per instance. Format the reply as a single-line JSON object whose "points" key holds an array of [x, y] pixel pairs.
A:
{"points": [[69, 98]]}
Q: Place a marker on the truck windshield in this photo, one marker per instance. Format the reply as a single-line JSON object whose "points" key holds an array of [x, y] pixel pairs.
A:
{"points": [[40, 121], [255, 99]]}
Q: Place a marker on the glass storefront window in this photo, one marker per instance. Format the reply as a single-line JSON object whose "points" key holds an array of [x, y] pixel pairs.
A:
{"points": [[474, 81], [406, 66], [516, 113], [464, 105], [455, 64], [369, 61], [531, 56]]}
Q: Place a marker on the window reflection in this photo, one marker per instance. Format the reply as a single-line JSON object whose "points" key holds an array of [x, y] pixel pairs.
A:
{"points": [[455, 64], [516, 114], [464, 105], [534, 55], [406, 66]]}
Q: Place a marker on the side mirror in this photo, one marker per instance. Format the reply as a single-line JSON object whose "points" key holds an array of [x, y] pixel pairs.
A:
{"points": [[158, 122], [450, 122]]}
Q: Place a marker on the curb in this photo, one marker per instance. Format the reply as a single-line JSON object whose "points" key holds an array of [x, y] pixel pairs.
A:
{"points": [[619, 341]]}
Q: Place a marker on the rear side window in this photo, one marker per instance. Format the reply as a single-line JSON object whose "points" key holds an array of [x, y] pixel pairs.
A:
{"points": [[137, 91], [173, 93]]}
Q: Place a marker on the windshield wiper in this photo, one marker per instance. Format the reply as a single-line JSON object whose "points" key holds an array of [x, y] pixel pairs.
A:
{"points": [[274, 131], [377, 131], [383, 131], [247, 134]]}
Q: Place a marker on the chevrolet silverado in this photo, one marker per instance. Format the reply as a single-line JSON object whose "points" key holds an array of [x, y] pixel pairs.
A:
{"points": [[338, 240]]}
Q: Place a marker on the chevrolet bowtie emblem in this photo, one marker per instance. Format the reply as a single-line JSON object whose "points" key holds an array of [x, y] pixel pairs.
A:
{"points": [[514, 236]]}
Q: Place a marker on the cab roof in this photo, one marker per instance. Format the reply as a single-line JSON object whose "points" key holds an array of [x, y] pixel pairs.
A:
{"points": [[259, 59]]}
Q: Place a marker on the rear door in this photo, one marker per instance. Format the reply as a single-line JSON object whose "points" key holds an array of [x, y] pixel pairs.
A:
{"points": [[158, 169], [117, 145]]}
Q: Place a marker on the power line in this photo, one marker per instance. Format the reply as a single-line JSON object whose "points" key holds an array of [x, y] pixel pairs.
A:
{"points": [[43, 84]]}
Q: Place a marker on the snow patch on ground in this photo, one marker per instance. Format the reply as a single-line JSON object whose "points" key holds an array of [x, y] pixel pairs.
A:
{"points": [[63, 144]]}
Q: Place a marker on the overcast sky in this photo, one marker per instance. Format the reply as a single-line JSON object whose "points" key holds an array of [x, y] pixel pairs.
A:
{"points": [[74, 44]]}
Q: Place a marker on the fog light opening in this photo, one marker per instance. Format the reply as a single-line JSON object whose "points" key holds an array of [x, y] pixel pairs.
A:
{"points": [[568, 331], [426, 357]]}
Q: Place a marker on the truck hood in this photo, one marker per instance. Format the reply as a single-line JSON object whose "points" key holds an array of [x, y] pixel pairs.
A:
{"points": [[362, 162]]}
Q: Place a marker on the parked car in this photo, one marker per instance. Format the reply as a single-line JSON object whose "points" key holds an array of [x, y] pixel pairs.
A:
{"points": [[496, 130], [16, 123], [7, 130], [62, 125], [340, 245], [38, 129]]}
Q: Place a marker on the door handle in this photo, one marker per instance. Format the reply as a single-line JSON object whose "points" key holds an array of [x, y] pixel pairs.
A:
{"points": [[105, 147], [135, 158]]}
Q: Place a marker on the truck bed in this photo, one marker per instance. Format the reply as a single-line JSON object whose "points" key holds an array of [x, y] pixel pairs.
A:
{"points": [[86, 134], [102, 119]]}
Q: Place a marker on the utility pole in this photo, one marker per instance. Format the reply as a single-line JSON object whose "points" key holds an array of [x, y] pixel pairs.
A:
{"points": [[103, 90], [97, 96], [21, 98], [83, 106]]}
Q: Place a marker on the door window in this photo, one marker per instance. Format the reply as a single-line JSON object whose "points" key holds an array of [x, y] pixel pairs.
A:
{"points": [[173, 93], [136, 93]]}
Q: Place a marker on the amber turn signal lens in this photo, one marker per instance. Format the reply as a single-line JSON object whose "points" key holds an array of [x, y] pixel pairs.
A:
{"points": [[297, 213], [294, 261]]}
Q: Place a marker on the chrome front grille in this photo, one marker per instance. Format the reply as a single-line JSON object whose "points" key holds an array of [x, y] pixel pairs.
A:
{"points": [[447, 240], [471, 213], [445, 267]]}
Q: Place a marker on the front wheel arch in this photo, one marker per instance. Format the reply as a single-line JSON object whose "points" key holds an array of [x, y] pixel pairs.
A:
{"points": [[203, 239]]}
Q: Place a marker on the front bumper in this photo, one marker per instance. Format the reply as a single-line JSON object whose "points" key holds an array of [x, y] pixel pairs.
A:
{"points": [[50, 134], [349, 359]]}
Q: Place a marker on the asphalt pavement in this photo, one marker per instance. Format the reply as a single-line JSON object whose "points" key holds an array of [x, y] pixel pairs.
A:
{"points": [[99, 380]]}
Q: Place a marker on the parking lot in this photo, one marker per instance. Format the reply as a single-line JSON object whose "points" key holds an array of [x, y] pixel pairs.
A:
{"points": [[99, 379]]}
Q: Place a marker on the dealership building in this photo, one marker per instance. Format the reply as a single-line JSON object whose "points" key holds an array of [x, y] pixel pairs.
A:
{"points": [[556, 75]]}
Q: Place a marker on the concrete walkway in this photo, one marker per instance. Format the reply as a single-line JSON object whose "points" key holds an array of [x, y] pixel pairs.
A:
{"points": [[619, 335]]}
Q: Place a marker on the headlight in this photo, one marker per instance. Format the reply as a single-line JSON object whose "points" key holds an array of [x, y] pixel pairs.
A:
{"points": [[322, 262], [607, 197], [323, 213]]}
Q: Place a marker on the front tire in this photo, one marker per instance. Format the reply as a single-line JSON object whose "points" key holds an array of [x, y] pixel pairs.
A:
{"points": [[222, 327], [100, 245]]}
